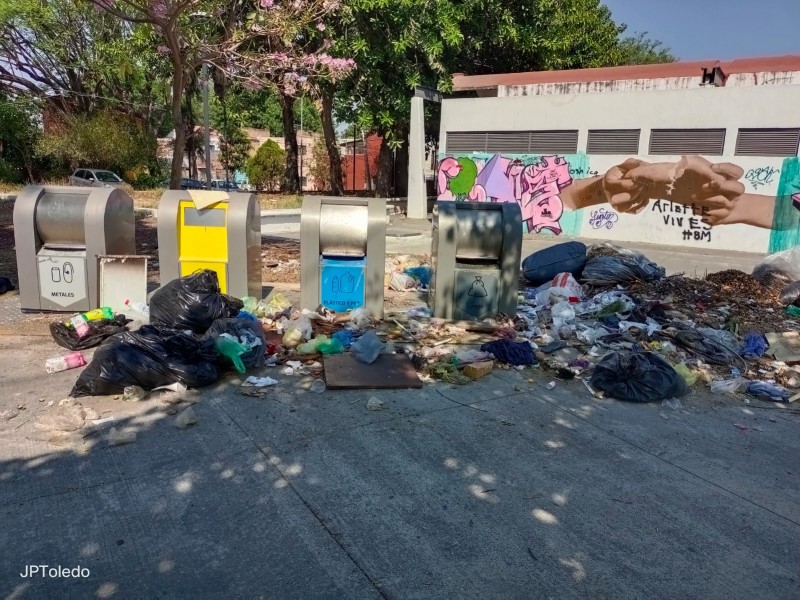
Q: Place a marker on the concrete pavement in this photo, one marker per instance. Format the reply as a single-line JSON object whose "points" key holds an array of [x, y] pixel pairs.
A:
{"points": [[494, 490]]}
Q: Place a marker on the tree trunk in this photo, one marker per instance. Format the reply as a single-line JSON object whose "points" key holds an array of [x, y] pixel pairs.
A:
{"points": [[329, 132], [384, 176], [291, 176], [367, 173], [176, 171]]}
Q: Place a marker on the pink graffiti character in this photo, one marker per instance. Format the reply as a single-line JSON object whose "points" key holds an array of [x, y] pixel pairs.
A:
{"points": [[514, 173], [448, 169], [542, 183]]}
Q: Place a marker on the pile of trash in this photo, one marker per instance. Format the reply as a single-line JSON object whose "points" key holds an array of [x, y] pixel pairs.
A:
{"points": [[407, 273]]}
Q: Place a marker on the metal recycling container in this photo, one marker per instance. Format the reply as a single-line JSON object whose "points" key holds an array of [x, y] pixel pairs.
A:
{"points": [[342, 253], [475, 255], [220, 231], [59, 233]]}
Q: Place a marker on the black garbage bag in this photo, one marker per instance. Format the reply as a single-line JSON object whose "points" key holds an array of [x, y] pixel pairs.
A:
{"points": [[543, 266], [66, 337], [638, 377], [193, 302], [623, 268], [246, 331], [5, 285], [712, 350], [791, 294], [150, 357]]}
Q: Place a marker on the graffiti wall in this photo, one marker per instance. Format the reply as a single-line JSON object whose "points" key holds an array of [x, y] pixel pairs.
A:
{"points": [[749, 205]]}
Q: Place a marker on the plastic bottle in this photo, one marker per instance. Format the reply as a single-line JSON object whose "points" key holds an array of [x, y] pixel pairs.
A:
{"points": [[80, 325], [64, 363], [98, 314], [139, 307]]}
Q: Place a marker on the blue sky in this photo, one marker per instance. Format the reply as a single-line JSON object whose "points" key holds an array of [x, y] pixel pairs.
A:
{"points": [[723, 29]]}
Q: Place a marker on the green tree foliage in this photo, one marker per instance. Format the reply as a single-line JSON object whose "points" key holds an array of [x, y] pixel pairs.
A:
{"points": [[641, 50], [261, 109], [19, 134], [265, 168], [234, 149], [104, 140]]}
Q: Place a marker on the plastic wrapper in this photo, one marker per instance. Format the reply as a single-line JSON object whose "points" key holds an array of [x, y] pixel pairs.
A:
{"points": [[240, 340], [66, 336], [709, 349], [754, 345], [367, 348], [768, 391], [401, 282], [637, 377], [562, 313], [689, 376], [721, 336], [790, 295], [150, 357], [785, 265], [185, 419], [565, 288], [609, 264], [728, 386], [193, 302], [360, 318]]}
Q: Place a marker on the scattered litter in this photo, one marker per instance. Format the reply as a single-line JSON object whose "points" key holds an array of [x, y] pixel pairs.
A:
{"points": [[73, 360], [728, 386], [367, 348], [478, 369], [118, 438], [318, 386], [259, 382], [671, 404], [768, 391], [134, 393], [374, 403], [513, 353], [551, 385], [639, 377], [689, 376], [186, 418], [754, 346]]}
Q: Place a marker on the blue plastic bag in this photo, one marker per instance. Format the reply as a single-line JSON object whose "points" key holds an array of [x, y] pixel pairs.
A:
{"points": [[345, 336], [421, 274], [768, 391], [755, 345]]}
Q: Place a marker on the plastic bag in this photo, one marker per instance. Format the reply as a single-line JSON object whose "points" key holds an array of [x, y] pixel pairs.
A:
{"points": [[345, 337], [637, 377], [150, 357], [754, 346], [708, 348], [274, 307], [367, 348], [250, 304], [322, 344], [589, 335], [623, 266], [544, 265], [728, 386], [401, 282], [421, 274], [768, 391], [785, 265], [689, 376], [193, 302], [562, 313], [241, 340], [66, 337], [360, 318], [5, 285], [566, 288], [791, 294], [294, 332], [513, 353], [721, 336]]}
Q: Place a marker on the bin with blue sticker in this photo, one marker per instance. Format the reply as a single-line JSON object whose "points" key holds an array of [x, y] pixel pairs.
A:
{"points": [[342, 253]]}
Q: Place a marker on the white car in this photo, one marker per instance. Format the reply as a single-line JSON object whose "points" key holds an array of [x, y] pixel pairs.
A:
{"points": [[95, 178]]}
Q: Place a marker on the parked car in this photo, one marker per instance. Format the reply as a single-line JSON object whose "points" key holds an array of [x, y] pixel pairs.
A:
{"points": [[221, 184], [95, 178], [187, 183]]}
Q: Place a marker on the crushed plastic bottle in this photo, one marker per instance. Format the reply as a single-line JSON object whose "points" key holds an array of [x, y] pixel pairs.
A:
{"points": [[139, 307], [72, 360]]}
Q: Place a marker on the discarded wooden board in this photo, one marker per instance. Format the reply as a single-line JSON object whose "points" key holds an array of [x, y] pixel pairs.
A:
{"points": [[785, 346], [389, 371], [478, 370]]}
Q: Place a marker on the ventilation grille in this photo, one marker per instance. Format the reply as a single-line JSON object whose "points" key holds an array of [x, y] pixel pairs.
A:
{"points": [[767, 142], [512, 142], [613, 141], [687, 141]]}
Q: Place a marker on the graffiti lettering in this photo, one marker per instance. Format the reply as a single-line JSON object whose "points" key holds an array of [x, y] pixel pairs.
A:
{"points": [[693, 227], [582, 172], [542, 183], [603, 218], [761, 176]]}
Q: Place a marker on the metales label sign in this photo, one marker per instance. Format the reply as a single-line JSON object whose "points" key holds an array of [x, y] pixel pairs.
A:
{"points": [[62, 279]]}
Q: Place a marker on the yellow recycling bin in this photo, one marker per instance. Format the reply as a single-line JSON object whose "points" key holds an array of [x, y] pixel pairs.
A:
{"points": [[220, 231]]}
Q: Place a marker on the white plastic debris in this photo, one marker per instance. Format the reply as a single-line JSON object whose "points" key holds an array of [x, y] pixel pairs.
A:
{"points": [[374, 403], [186, 418], [259, 382], [118, 438]]}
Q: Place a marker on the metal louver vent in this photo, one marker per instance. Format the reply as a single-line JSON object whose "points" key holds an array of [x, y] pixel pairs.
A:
{"points": [[613, 141], [554, 142], [512, 142], [509, 142], [687, 141], [767, 142], [465, 141]]}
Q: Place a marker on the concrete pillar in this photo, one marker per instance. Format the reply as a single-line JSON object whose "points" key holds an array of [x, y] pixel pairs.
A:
{"points": [[417, 190]]}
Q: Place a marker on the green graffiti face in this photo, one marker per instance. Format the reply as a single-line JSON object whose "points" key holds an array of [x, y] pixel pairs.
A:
{"points": [[462, 184]]}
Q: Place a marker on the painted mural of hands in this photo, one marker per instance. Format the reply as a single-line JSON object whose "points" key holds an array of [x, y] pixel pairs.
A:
{"points": [[712, 188], [623, 192]]}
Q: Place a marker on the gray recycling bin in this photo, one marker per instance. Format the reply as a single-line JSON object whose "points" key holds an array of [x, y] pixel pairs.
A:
{"points": [[59, 232], [342, 253], [475, 254]]}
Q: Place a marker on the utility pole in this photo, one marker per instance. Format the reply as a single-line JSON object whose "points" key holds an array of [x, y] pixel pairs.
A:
{"points": [[205, 122], [301, 144]]}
